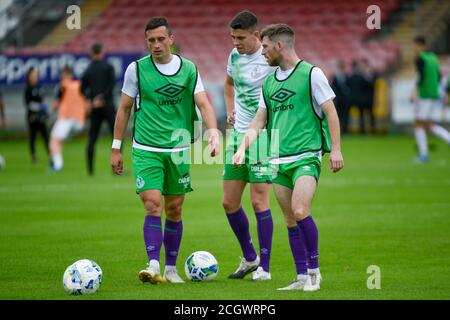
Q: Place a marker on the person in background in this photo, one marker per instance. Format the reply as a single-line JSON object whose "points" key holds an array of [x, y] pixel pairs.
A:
{"points": [[4, 124], [425, 98], [356, 83], [339, 84], [72, 112], [370, 77], [97, 84], [37, 112]]}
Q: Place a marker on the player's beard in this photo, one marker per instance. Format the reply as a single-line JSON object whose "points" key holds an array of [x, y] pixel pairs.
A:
{"points": [[274, 62]]}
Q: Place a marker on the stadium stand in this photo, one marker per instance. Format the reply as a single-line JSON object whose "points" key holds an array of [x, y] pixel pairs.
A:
{"points": [[8, 18], [29, 21], [201, 28], [431, 18], [204, 23]]}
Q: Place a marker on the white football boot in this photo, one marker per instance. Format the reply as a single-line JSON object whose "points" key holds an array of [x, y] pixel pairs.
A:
{"points": [[300, 283], [261, 275], [245, 267], [151, 273], [171, 275], [316, 279]]}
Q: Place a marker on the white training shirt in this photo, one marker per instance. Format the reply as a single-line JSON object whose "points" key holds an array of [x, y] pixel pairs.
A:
{"points": [[130, 82], [248, 72]]}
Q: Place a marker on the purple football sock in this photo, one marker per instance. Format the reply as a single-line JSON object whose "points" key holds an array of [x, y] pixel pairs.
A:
{"points": [[172, 239], [298, 249], [239, 223], [309, 228], [265, 231], [153, 236]]}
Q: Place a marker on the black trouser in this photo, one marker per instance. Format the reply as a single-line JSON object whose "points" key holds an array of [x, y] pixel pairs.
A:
{"points": [[369, 109], [34, 128], [96, 118], [343, 111]]}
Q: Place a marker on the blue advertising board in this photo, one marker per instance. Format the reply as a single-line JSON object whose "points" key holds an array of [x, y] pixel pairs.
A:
{"points": [[13, 68]]}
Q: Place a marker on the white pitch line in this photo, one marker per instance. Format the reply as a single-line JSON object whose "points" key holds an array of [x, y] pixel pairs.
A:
{"points": [[218, 183]]}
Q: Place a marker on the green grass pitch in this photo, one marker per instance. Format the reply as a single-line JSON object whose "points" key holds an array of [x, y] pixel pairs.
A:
{"points": [[380, 210]]}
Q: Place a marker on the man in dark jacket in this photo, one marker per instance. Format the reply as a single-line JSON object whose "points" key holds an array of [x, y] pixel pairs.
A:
{"points": [[340, 87], [97, 85], [370, 77], [356, 83]]}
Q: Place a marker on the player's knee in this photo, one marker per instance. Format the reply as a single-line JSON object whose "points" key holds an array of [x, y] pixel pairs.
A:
{"points": [[152, 206], [290, 220], [301, 212], [260, 200], [259, 204], [173, 212], [230, 206]]}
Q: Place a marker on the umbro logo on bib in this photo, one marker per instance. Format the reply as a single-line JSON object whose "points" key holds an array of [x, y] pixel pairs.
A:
{"points": [[282, 95], [170, 90]]}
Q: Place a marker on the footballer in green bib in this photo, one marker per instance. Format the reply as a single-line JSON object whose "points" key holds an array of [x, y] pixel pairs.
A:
{"points": [[294, 127], [163, 123]]}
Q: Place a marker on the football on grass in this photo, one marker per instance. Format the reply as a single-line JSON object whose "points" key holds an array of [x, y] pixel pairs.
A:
{"points": [[82, 277], [201, 266]]}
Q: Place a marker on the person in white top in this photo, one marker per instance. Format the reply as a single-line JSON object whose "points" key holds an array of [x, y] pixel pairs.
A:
{"points": [[246, 71]]}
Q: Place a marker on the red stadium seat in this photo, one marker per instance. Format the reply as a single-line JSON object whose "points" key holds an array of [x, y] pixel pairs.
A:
{"points": [[327, 31]]}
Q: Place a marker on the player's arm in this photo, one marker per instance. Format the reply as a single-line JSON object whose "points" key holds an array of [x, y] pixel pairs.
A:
{"points": [[336, 159], [209, 117], [258, 122], [120, 125], [228, 92]]}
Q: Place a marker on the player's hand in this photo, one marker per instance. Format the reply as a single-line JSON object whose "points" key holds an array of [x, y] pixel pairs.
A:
{"points": [[98, 102], [213, 143], [230, 118], [116, 162], [336, 160], [238, 158]]}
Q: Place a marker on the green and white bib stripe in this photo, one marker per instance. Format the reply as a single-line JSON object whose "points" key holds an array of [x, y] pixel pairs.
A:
{"points": [[429, 87], [248, 73], [293, 125], [164, 112]]}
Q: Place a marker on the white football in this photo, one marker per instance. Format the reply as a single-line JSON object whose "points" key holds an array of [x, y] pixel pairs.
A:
{"points": [[82, 277], [201, 266]]}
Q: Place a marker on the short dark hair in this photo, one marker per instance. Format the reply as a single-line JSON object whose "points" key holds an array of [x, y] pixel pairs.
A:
{"points": [[274, 31], [244, 20], [158, 22], [97, 48], [420, 40], [67, 69]]}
